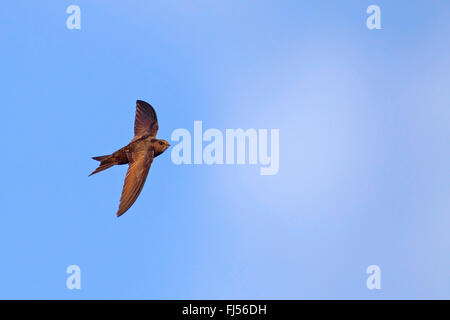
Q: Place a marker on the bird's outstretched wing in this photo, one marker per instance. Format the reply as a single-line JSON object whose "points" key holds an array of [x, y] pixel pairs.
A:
{"points": [[135, 179], [146, 121]]}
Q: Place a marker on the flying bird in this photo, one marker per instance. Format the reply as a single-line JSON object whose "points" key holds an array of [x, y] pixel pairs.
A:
{"points": [[138, 154]]}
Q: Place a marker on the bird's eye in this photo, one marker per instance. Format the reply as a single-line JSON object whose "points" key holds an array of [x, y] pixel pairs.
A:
{"points": [[161, 143]]}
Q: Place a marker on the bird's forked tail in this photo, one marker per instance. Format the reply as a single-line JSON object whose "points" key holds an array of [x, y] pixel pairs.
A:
{"points": [[105, 163]]}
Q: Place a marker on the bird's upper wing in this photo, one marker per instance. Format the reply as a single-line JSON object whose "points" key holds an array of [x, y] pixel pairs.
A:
{"points": [[146, 121], [135, 179]]}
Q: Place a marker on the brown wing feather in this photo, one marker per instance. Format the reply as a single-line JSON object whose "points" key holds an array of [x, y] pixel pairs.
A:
{"points": [[134, 180], [146, 121]]}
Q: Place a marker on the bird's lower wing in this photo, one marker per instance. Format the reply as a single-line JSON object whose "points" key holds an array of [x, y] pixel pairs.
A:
{"points": [[134, 180]]}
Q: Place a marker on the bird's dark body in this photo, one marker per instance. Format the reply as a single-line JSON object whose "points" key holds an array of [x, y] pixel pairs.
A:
{"points": [[138, 154], [124, 155]]}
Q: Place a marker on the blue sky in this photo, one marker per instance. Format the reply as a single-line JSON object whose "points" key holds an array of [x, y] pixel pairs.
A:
{"points": [[364, 149]]}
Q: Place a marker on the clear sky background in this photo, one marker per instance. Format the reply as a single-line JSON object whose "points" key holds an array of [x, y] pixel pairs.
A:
{"points": [[364, 125]]}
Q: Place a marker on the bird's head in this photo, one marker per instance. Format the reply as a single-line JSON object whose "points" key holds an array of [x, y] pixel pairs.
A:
{"points": [[160, 145]]}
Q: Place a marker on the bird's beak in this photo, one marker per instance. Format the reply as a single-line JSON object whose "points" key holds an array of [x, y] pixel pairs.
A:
{"points": [[168, 144]]}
